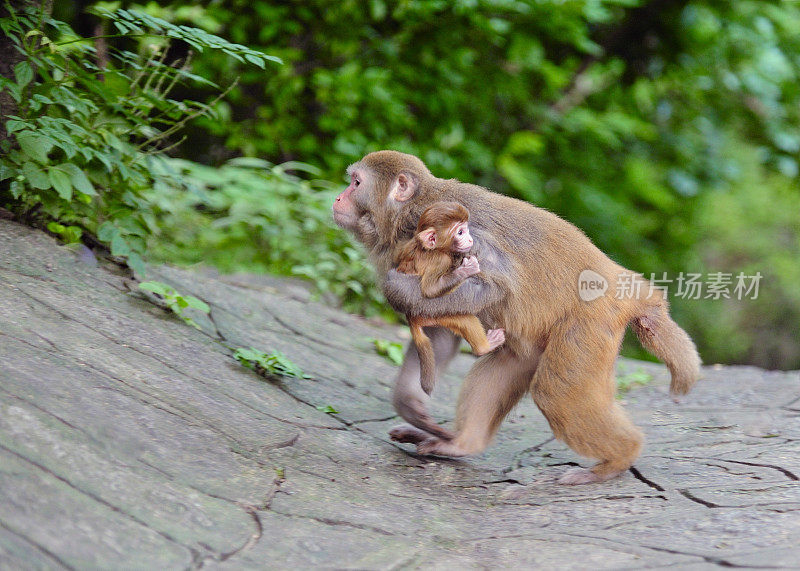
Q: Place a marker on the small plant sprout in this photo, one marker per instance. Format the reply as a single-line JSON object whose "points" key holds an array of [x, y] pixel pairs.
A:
{"points": [[176, 302], [328, 409], [268, 364]]}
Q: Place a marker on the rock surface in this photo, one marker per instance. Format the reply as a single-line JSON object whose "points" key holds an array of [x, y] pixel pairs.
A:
{"points": [[130, 440]]}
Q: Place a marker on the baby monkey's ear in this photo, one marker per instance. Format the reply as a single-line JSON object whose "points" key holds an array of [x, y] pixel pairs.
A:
{"points": [[428, 238]]}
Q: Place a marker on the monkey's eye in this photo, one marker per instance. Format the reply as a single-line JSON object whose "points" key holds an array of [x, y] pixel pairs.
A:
{"points": [[461, 231], [356, 182]]}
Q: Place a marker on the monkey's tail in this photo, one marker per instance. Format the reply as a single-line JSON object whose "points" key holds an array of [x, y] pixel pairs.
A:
{"points": [[662, 337]]}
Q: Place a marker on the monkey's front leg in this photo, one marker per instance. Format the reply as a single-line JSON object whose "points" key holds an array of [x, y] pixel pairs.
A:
{"points": [[493, 386]]}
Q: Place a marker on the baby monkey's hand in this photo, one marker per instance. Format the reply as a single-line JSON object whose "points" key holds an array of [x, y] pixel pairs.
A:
{"points": [[469, 267]]}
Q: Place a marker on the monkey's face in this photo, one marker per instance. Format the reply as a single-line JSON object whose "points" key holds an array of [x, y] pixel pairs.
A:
{"points": [[462, 240], [377, 194], [349, 205]]}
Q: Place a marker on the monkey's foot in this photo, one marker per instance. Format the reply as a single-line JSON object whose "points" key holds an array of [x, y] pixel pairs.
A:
{"points": [[496, 337], [407, 433], [437, 447], [576, 476]]}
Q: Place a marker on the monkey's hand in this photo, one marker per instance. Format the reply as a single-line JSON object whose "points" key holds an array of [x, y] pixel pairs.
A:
{"points": [[404, 294], [469, 267]]}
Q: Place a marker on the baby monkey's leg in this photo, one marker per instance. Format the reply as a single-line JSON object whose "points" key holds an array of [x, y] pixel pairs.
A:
{"points": [[470, 328]]}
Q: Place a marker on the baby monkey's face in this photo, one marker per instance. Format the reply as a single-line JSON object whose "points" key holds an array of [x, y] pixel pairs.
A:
{"points": [[462, 241]]}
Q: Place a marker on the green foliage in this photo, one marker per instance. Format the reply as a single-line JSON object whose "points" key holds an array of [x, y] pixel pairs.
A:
{"points": [[327, 408], [251, 215], [623, 118], [89, 135], [627, 380], [391, 350], [69, 234], [268, 363], [669, 132], [176, 302], [753, 227]]}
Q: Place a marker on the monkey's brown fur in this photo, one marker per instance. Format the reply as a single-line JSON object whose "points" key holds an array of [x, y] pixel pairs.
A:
{"points": [[559, 348], [437, 268]]}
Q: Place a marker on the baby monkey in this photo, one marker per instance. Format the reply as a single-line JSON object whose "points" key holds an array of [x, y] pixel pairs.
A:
{"points": [[439, 254]]}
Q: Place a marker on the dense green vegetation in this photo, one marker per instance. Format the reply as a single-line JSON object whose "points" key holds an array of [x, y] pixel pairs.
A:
{"points": [[666, 129]]}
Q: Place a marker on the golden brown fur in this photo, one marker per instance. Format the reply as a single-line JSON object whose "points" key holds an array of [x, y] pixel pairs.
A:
{"points": [[438, 268], [559, 348]]}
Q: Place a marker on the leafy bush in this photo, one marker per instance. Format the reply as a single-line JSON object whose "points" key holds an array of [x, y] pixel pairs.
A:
{"points": [[176, 302], [753, 227], [623, 116], [269, 363], [664, 129], [250, 215], [89, 133]]}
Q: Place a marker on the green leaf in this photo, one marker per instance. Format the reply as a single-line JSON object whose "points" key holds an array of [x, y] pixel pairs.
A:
{"points": [[36, 176], [255, 59], [391, 350], [79, 180], [17, 188], [107, 231], [56, 228], [156, 287], [328, 408], [23, 73], [197, 303], [61, 183], [14, 125], [136, 263], [72, 234], [34, 145], [243, 354], [119, 246], [395, 353]]}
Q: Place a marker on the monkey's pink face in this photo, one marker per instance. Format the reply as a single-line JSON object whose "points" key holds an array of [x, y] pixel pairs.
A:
{"points": [[345, 207], [462, 240]]}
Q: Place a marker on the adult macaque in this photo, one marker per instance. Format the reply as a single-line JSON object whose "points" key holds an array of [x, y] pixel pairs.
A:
{"points": [[558, 347], [438, 254]]}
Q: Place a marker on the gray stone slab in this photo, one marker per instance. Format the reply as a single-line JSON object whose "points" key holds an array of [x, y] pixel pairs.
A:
{"points": [[129, 440]]}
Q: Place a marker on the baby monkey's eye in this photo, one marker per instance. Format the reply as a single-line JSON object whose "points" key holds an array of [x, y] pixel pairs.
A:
{"points": [[461, 231]]}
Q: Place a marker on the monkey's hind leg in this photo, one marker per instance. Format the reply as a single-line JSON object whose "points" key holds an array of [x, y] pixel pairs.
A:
{"points": [[574, 388], [409, 400], [471, 329]]}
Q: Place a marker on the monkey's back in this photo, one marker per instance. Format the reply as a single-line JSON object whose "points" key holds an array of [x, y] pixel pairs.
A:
{"points": [[543, 253]]}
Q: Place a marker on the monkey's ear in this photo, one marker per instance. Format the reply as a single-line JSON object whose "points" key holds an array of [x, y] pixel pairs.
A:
{"points": [[403, 187], [428, 238]]}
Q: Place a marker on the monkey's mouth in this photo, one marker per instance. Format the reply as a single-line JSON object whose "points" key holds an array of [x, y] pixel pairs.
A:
{"points": [[344, 219]]}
